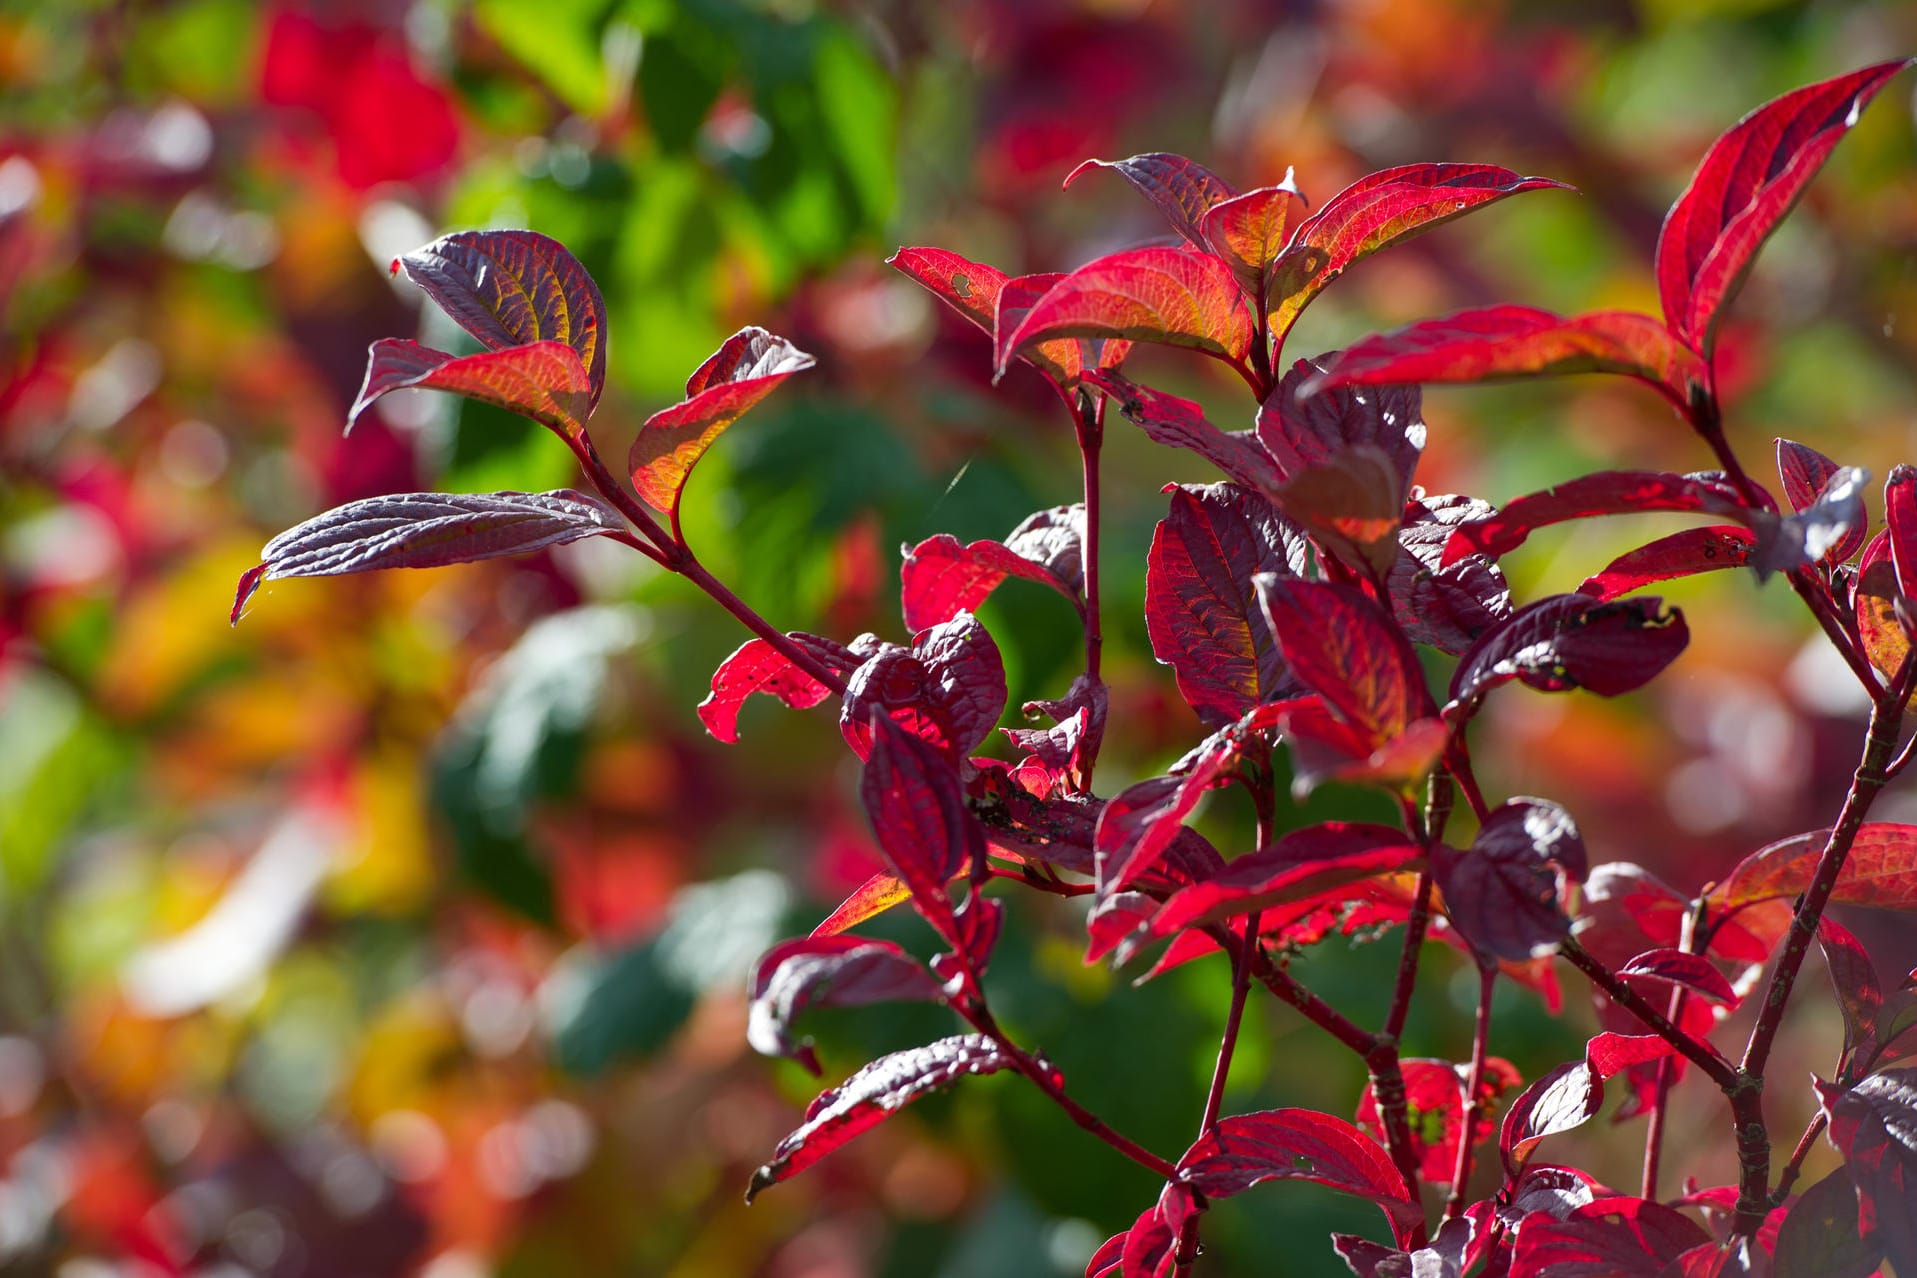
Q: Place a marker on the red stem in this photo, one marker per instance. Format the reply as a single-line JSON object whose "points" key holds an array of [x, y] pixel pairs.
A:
{"points": [[1796, 1164], [1467, 1139], [1089, 424], [1227, 1044]]}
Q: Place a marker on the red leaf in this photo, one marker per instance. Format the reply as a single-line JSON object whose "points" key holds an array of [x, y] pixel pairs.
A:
{"points": [[827, 971], [1574, 641], [543, 380], [738, 375], [1567, 1097], [1807, 474], [1608, 1238], [1749, 180], [1166, 295], [948, 687], [1880, 871], [911, 793], [1183, 190], [1448, 607], [1434, 1092], [1874, 1125], [871, 1096], [1201, 610], [1900, 519], [1343, 648], [1298, 1144], [1325, 747], [942, 577], [1379, 209], [1682, 554], [1611, 492], [759, 667], [1139, 824], [1813, 535], [1610, 1053], [1150, 1249], [1819, 1237], [1505, 896], [426, 530], [975, 291], [1303, 432], [1063, 359], [1180, 423], [871, 898], [516, 288], [1248, 232], [1859, 994], [1353, 505], [1693, 972], [1495, 343], [1874, 600]]}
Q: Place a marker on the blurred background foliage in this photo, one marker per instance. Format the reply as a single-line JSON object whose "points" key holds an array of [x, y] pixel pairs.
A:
{"points": [[403, 929]]}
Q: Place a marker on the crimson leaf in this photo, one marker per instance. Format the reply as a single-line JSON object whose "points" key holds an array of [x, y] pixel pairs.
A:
{"points": [[1181, 189], [542, 380], [1682, 554], [911, 794], [1880, 871], [426, 530], [1446, 606], [1574, 641], [826, 971], [759, 667], [1859, 994], [1693, 972], [871, 1096], [1064, 359], [1139, 824], [738, 375], [974, 289], [1610, 492], [1874, 1125], [1749, 180], [1567, 1097], [1503, 895], [942, 576], [1806, 473], [1434, 1092], [1248, 232], [1201, 609], [1245, 1150], [948, 687], [1607, 1238], [1180, 423], [1341, 645]]}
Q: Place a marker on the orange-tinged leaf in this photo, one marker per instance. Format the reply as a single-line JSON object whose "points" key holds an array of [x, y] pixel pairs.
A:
{"points": [[541, 380], [1248, 231], [1880, 871], [869, 900]]}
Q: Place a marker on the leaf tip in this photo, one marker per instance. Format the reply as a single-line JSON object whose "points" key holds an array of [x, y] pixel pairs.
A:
{"points": [[249, 583], [1082, 166]]}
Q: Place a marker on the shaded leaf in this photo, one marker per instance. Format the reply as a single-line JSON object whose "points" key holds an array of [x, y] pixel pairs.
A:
{"points": [[1505, 894], [1611, 492], [1446, 606], [1607, 1238], [1138, 824], [1859, 994], [1276, 1144], [743, 371], [1819, 1236], [1201, 609], [1805, 473], [1874, 1125], [1682, 554], [1880, 871], [911, 793], [1353, 505], [1181, 189], [1574, 641], [544, 380], [1181, 423], [948, 687], [1749, 180], [872, 1095], [759, 667], [1567, 1097], [1693, 972], [1816, 533], [826, 971], [426, 530], [1301, 432]]}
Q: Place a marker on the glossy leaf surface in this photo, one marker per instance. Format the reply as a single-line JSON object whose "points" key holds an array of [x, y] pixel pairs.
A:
{"points": [[1181, 423], [1574, 641], [1874, 1125], [1503, 895], [1611, 492], [1343, 648], [1607, 1238], [1693, 972], [911, 795], [1567, 1097], [1819, 1237], [942, 576], [1248, 1149], [948, 688], [1447, 606]]}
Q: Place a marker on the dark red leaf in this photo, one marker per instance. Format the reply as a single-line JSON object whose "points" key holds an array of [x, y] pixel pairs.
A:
{"points": [[426, 530], [1448, 607], [1818, 532], [1325, 747], [1505, 894], [942, 577], [1554, 1192], [1248, 232], [1150, 1249], [1854, 977], [1079, 726], [911, 794], [1574, 641], [1171, 296], [1434, 1093], [1567, 1097], [827, 971], [1379, 209], [1819, 1237], [1682, 554], [1248, 1149], [1342, 647], [515, 288], [1051, 538], [738, 375], [759, 667], [1608, 1238], [1874, 1125], [1611, 492], [1693, 972], [543, 380], [1749, 180], [872, 1095], [1880, 871], [1495, 343], [1183, 190], [1180, 423], [1201, 610], [948, 687], [1806, 473], [1139, 824], [1303, 432], [1900, 520]]}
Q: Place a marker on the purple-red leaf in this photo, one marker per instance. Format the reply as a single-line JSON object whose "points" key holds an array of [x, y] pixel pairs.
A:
{"points": [[1139, 824], [1248, 232], [1610, 492], [1682, 554], [911, 794], [1304, 432], [1693, 972], [948, 687], [759, 667], [1342, 647], [1819, 1237], [1817, 533], [871, 1096], [1500, 342], [1807, 474], [426, 530], [1900, 520], [1567, 1097], [1750, 179], [1874, 1125], [515, 288], [827, 971], [1171, 296], [1379, 209], [1300, 1144], [1181, 189], [1504, 895], [1854, 977], [1150, 1249], [1446, 606], [1607, 1238], [738, 375], [1880, 871], [1353, 505], [1180, 423], [542, 380], [1201, 610], [942, 577], [1609, 1053], [1574, 641]]}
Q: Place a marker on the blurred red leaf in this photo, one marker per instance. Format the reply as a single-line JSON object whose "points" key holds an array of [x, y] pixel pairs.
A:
{"points": [[1298, 1144], [1880, 871]]}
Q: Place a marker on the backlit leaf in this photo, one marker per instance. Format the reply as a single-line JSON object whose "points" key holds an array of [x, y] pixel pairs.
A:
{"points": [[1139, 823], [544, 380], [872, 1095], [1063, 359], [743, 371], [1248, 232], [1300, 1144], [1434, 1095], [942, 577], [1302, 863], [871, 898], [1900, 520], [1682, 554], [1342, 647], [1854, 978], [1881, 870], [1181, 189], [1874, 599], [1504, 895], [758, 667], [1749, 180], [828, 971], [1574, 641], [1611, 492]]}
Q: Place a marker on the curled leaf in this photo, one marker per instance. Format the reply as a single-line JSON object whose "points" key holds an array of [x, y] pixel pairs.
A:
{"points": [[826, 971]]}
